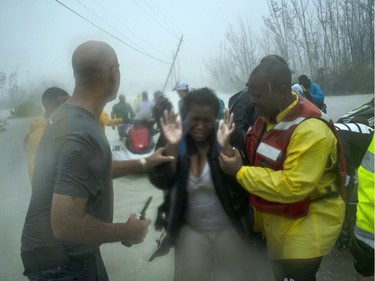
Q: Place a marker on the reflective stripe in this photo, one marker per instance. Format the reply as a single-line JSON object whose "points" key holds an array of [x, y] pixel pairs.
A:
{"points": [[354, 127], [325, 117], [268, 151], [365, 236], [365, 129], [341, 127], [283, 126], [368, 161]]}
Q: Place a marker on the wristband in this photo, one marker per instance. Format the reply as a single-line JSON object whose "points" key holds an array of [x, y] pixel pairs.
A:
{"points": [[143, 164]]}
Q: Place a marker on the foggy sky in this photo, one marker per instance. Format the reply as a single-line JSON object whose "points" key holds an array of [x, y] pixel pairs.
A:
{"points": [[39, 37]]}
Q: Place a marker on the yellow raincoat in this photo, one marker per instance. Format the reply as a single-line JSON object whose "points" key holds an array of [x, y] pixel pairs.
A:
{"points": [[31, 142], [307, 171]]}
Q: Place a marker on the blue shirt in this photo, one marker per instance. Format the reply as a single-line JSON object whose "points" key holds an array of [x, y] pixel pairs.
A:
{"points": [[316, 93]]}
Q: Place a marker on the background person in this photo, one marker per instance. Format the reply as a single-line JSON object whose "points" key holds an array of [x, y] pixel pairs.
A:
{"points": [[122, 110], [244, 116], [162, 104], [71, 207], [51, 99], [355, 138], [182, 89], [362, 244], [220, 113], [313, 90], [204, 208], [105, 120], [136, 100], [293, 173], [143, 109]]}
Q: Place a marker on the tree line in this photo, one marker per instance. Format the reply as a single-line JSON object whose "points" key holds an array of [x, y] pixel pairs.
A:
{"points": [[331, 41]]}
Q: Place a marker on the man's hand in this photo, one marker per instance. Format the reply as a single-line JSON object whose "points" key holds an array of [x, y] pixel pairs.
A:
{"points": [[231, 165], [226, 128], [157, 158], [171, 127], [136, 231]]}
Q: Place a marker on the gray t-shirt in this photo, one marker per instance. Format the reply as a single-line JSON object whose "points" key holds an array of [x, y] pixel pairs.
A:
{"points": [[74, 159]]}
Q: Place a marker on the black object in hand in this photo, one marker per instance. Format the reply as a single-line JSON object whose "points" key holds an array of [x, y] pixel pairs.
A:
{"points": [[142, 214]]}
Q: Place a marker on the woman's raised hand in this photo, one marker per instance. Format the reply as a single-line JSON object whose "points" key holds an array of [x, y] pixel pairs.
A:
{"points": [[226, 128], [171, 127]]}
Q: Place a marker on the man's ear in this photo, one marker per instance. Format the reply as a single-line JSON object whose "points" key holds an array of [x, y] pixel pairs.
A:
{"points": [[113, 73], [285, 91]]}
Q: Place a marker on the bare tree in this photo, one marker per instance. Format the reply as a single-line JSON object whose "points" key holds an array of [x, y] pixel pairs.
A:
{"points": [[236, 58], [330, 40]]}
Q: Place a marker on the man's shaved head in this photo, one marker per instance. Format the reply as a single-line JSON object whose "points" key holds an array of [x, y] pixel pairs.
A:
{"points": [[270, 86], [91, 59], [277, 69]]}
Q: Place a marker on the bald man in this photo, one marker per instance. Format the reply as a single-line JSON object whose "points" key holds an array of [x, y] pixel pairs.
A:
{"points": [[71, 207]]}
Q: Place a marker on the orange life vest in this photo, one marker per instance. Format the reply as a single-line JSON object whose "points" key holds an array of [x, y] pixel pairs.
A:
{"points": [[268, 149]]}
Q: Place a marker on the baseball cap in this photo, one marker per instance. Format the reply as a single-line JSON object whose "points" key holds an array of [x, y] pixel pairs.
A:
{"points": [[181, 86], [158, 94]]}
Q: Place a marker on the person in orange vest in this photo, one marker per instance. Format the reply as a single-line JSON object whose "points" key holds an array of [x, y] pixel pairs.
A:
{"points": [[294, 174]]}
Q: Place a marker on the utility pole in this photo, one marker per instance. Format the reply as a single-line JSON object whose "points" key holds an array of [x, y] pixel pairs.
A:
{"points": [[174, 59]]}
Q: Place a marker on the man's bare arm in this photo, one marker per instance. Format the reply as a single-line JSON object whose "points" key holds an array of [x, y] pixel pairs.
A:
{"points": [[70, 222], [128, 167]]}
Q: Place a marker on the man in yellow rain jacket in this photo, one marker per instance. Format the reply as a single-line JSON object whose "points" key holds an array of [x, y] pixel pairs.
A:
{"points": [[105, 120], [362, 244], [295, 172], [51, 99]]}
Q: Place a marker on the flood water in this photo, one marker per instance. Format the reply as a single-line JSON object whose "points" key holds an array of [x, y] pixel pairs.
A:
{"points": [[130, 194]]}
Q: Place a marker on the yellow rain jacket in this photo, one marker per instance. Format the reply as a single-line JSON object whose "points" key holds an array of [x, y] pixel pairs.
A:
{"points": [[365, 207], [31, 142], [305, 171], [104, 120]]}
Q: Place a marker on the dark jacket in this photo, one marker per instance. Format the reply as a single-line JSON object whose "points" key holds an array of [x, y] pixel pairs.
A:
{"points": [[244, 113], [233, 197], [158, 110], [244, 116]]}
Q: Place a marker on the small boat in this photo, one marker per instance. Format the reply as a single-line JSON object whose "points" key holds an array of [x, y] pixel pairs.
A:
{"points": [[138, 143], [365, 111]]}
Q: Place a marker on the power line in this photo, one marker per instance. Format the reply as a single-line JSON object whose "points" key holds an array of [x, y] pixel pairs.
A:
{"points": [[158, 22], [158, 15], [123, 25], [113, 36], [91, 11], [161, 12]]}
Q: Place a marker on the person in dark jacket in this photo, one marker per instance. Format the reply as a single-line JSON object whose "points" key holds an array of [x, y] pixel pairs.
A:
{"points": [[244, 116], [162, 104], [206, 213]]}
